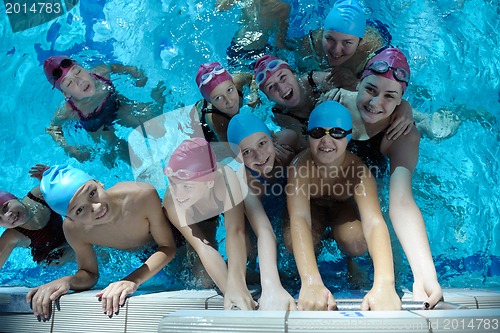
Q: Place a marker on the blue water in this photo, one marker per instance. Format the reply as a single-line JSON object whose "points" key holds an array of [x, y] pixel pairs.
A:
{"points": [[455, 60]]}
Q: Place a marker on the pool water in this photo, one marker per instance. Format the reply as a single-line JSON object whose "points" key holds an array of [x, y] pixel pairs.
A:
{"points": [[455, 61]]}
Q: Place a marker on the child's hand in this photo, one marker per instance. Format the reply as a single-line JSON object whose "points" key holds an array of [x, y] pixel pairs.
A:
{"points": [[277, 299], [38, 170], [381, 298], [113, 297], [316, 297]]}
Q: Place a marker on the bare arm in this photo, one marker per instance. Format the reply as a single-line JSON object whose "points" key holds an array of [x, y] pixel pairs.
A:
{"points": [[383, 295], [222, 5], [133, 71], [9, 240], [234, 221], [274, 296], [313, 293], [56, 132], [85, 278], [209, 256], [407, 219], [115, 294]]}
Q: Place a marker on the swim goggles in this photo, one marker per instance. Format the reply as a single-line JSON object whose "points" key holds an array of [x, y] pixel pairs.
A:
{"points": [[58, 72], [184, 174], [271, 67], [207, 77], [399, 73], [335, 132]]}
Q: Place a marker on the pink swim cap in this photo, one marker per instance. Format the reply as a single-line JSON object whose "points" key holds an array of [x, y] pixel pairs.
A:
{"points": [[390, 63], [209, 76], [56, 68], [6, 196], [192, 160], [266, 66]]}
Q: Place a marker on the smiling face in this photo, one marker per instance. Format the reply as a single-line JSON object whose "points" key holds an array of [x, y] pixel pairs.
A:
{"points": [[377, 98], [225, 98], [327, 150], [186, 193], [282, 87], [13, 214], [78, 83], [258, 152], [90, 205], [339, 47]]}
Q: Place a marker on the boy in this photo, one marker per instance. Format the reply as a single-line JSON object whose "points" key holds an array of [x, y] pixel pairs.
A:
{"points": [[329, 186], [127, 216]]}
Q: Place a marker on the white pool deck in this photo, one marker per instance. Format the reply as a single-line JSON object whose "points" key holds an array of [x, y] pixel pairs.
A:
{"points": [[465, 310]]}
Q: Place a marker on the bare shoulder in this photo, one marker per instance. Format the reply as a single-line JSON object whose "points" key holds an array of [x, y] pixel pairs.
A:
{"points": [[372, 40], [301, 158], [134, 191], [102, 69]]}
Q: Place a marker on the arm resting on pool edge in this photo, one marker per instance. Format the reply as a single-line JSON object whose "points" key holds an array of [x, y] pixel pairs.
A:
{"points": [[407, 219], [114, 295]]}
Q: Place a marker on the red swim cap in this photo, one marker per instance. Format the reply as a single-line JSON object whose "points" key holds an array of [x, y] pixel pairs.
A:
{"points": [[398, 69], [6, 196], [266, 66], [209, 76], [192, 160], [56, 68]]}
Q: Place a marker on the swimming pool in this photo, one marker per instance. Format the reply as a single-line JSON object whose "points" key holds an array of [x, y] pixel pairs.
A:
{"points": [[455, 60]]}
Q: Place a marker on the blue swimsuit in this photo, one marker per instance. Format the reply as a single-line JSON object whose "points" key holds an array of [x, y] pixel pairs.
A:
{"points": [[105, 114]]}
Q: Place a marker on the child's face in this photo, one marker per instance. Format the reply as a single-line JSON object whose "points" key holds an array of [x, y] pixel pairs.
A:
{"points": [[225, 98], [13, 214], [78, 83], [90, 205], [326, 149], [186, 193], [339, 47], [258, 152], [377, 98], [282, 87]]}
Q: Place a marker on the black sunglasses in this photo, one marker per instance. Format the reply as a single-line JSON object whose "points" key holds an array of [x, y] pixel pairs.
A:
{"points": [[58, 72], [335, 132]]}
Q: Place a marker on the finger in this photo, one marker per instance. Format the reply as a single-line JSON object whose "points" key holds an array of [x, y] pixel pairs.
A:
{"points": [[30, 294], [408, 129], [45, 307], [116, 302], [332, 304], [123, 298], [434, 298], [365, 306], [292, 305]]}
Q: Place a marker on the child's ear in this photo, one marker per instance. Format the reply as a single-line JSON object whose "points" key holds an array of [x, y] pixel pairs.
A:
{"points": [[210, 184]]}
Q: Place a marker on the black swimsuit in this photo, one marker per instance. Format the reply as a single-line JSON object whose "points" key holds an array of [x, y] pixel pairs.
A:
{"points": [[46, 239], [209, 134], [303, 121], [369, 152]]}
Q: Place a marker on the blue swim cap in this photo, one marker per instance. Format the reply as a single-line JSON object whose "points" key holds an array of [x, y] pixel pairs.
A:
{"points": [[330, 114], [347, 17], [59, 184], [243, 125]]}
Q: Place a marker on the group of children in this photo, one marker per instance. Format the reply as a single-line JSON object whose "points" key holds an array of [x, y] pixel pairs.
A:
{"points": [[341, 128]]}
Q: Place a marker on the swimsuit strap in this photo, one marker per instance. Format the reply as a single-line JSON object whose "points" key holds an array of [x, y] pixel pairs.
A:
{"points": [[37, 199], [216, 111], [313, 84], [311, 43], [96, 111], [257, 176]]}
